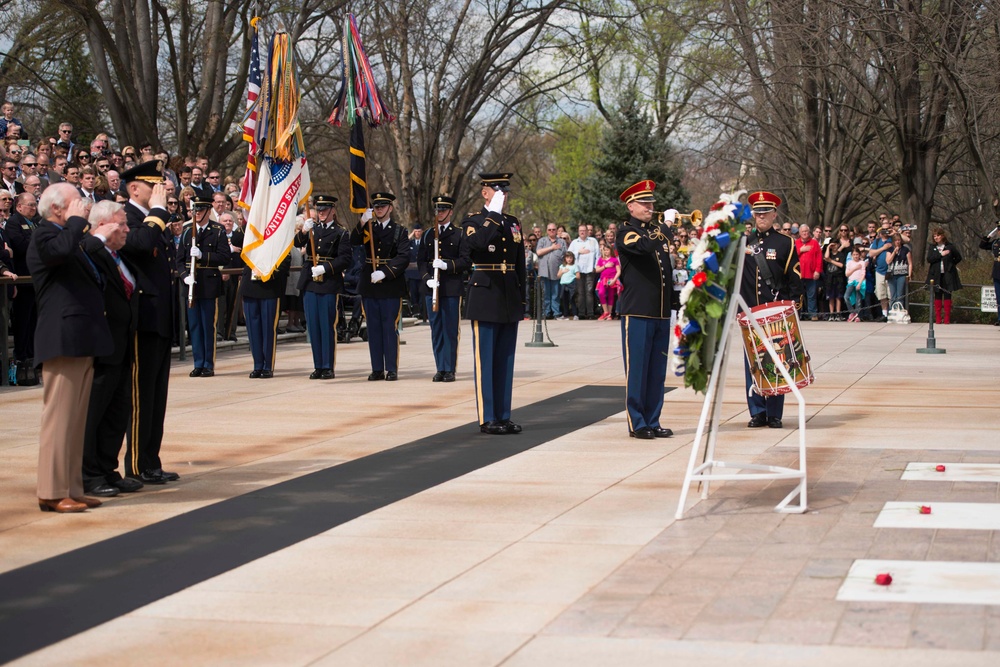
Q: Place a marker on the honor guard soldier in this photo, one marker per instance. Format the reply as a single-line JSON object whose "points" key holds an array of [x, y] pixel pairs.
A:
{"points": [[150, 247], [643, 246], [204, 249], [991, 242], [383, 284], [321, 283], [770, 273], [260, 309], [449, 283], [493, 248]]}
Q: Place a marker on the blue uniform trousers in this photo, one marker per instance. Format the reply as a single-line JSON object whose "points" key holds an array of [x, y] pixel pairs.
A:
{"points": [[645, 343], [321, 324], [493, 347], [202, 316], [444, 330], [774, 406], [262, 330], [383, 317]]}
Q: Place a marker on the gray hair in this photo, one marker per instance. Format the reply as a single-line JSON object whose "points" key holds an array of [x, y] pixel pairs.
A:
{"points": [[103, 211], [59, 194]]}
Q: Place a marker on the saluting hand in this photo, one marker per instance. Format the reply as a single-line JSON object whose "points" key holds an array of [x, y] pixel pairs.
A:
{"points": [[159, 197]]}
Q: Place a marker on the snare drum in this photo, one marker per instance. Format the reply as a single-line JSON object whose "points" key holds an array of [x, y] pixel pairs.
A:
{"points": [[780, 323]]}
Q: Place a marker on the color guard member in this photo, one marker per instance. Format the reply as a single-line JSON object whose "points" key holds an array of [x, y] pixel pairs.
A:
{"points": [[643, 246], [444, 322], [770, 273], [493, 248], [321, 285], [383, 285], [260, 309], [205, 243]]}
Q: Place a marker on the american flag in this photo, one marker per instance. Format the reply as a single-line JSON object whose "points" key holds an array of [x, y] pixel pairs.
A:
{"points": [[250, 120]]}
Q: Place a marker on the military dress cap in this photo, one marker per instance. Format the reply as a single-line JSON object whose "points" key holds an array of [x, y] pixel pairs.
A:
{"points": [[764, 201], [383, 198], [199, 202], [641, 192], [443, 202], [497, 180], [325, 201], [148, 172]]}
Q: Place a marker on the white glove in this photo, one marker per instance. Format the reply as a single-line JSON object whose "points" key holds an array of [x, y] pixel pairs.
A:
{"points": [[307, 226], [366, 216], [195, 252], [432, 283], [378, 276], [189, 280], [318, 270], [440, 264], [496, 204], [670, 216]]}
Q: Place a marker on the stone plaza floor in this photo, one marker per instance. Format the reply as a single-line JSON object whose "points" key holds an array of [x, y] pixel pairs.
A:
{"points": [[566, 553]]}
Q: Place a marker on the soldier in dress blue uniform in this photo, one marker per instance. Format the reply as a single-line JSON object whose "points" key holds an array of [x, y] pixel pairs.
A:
{"points": [[205, 242], [991, 242], [321, 285], [383, 285], [492, 247], [444, 322], [260, 309], [770, 273], [643, 246]]}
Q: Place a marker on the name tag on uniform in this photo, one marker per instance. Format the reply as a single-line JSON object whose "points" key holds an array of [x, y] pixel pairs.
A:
{"points": [[771, 254]]}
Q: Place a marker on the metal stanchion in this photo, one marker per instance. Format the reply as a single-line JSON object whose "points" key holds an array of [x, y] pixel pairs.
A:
{"points": [[537, 338], [931, 342]]}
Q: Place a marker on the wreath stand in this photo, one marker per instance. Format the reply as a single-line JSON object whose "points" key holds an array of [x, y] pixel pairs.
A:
{"points": [[706, 472]]}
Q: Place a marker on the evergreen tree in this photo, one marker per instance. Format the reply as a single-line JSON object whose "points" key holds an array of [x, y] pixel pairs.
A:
{"points": [[77, 99], [630, 152]]}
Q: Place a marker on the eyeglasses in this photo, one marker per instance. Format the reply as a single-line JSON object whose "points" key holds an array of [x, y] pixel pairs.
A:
{"points": [[10, 168], [174, 202], [29, 164], [128, 156], [83, 156], [216, 176], [65, 131]]}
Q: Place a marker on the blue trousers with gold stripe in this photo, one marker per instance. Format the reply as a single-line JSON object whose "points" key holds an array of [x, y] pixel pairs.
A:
{"points": [[493, 347], [202, 316], [772, 406], [382, 317], [444, 331], [321, 323], [262, 330], [645, 342]]}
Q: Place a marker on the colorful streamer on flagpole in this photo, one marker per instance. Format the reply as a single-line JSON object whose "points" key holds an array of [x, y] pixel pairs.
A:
{"points": [[249, 125], [358, 91]]}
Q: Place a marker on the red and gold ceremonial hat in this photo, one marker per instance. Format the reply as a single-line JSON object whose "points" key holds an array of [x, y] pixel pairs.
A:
{"points": [[764, 201], [641, 191]]}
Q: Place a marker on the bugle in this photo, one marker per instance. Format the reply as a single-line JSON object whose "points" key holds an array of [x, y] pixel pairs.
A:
{"points": [[694, 217]]}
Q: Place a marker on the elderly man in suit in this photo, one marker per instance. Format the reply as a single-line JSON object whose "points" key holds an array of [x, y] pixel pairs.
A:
{"points": [[71, 331]]}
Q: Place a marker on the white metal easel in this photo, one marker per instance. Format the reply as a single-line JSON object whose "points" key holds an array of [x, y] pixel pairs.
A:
{"points": [[706, 471]]}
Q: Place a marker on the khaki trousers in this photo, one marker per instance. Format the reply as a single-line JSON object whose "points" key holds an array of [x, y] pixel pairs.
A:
{"points": [[65, 396]]}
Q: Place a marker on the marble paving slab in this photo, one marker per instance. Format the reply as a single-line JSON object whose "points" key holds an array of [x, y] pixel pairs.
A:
{"points": [[935, 582], [955, 516], [954, 472]]}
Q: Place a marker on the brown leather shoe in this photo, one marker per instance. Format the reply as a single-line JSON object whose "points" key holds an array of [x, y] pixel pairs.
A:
{"points": [[89, 502], [60, 505]]}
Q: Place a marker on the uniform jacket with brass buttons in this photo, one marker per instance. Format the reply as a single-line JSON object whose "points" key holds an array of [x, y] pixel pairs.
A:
{"points": [[333, 251], [392, 253], [493, 249], [150, 247], [781, 258], [215, 253], [449, 249], [647, 272]]}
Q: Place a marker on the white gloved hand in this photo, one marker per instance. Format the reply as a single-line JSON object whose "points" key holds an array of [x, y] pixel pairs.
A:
{"points": [[318, 270], [196, 252], [307, 225], [670, 216], [432, 283], [496, 204], [189, 280], [440, 264], [366, 216], [378, 276]]}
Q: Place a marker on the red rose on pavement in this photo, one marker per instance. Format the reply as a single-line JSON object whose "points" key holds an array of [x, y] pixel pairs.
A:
{"points": [[925, 509], [940, 468], [883, 579]]}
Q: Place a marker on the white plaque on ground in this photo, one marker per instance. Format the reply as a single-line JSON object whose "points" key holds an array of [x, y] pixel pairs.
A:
{"points": [[959, 516], [940, 582], [953, 472]]}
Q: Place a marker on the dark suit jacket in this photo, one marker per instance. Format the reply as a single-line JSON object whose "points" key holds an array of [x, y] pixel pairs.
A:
{"points": [[18, 233], [71, 320], [121, 311]]}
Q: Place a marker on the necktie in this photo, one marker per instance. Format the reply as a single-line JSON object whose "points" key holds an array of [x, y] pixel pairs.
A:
{"points": [[441, 230], [128, 284]]}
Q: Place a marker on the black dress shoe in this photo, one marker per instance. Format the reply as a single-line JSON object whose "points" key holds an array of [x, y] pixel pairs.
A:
{"points": [[102, 491], [438, 377], [662, 432], [196, 373], [391, 376], [207, 373], [316, 374], [376, 375], [774, 422], [326, 374], [493, 428], [169, 476], [254, 374], [642, 433], [127, 485], [449, 376], [511, 428], [757, 420], [266, 374], [150, 477]]}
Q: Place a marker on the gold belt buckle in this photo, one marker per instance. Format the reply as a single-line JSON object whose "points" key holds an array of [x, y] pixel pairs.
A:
{"points": [[503, 267]]}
